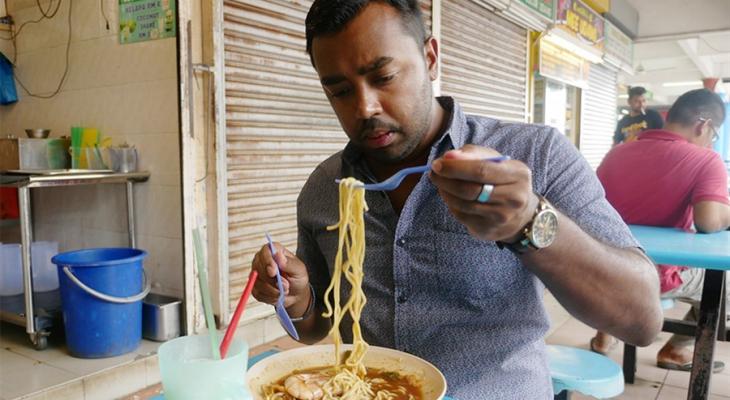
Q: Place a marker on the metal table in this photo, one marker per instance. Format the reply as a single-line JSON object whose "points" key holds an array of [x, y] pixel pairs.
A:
{"points": [[12, 308], [697, 250]]}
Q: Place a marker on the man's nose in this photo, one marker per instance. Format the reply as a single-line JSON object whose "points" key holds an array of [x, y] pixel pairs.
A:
{"points": [[368, 104]]}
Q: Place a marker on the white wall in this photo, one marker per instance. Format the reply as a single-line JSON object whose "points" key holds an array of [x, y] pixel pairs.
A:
{"points": [[127, 91]]}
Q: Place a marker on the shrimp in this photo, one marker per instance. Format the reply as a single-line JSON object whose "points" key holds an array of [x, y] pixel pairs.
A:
{"points": [[305, 386]]}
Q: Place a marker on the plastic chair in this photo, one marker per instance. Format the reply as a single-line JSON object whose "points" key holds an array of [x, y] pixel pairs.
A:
{"points": [[578, 370]]}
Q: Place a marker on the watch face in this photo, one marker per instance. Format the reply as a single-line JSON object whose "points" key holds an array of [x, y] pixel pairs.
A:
{"points": [[544, 228]]}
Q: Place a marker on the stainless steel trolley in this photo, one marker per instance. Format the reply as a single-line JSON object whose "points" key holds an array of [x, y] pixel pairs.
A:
{"points": [[37, 312]]}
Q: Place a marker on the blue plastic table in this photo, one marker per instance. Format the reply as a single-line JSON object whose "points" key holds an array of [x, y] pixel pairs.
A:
{"points": [[697, 250]]}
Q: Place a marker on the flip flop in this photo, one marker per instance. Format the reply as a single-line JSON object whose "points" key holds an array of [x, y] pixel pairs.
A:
{"points": [[717, 366], [611, 346]]}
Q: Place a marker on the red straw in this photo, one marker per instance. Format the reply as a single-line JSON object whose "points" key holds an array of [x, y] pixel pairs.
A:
{"points": [[237, 314]]}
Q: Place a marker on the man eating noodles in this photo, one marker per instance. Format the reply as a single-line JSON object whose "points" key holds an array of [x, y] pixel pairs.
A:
{"points": [[456, 259]]}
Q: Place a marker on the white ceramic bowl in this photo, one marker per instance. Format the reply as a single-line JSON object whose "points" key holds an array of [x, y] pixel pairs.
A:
{"points": [[275, 367]]}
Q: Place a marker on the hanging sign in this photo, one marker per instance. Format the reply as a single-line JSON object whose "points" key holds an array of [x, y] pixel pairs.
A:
{"points": [[619, 45], [543, 7], [582, 21], [562, 65], [141, 20]]}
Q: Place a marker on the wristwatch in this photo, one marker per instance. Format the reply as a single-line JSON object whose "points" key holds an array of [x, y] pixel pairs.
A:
{"points": [[539, 233]]}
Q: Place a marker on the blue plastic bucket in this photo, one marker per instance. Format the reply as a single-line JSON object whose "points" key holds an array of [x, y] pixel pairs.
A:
{"points": [[101, 295]]}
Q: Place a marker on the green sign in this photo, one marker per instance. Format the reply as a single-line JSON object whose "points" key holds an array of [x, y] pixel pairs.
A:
{"points": [[543, 7], [141, 20]]}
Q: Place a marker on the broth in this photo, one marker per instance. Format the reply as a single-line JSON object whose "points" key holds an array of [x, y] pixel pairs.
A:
{"points": [[405, 387]]}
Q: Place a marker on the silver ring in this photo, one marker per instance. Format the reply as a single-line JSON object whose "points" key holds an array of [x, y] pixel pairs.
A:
{"points": [[485, 194]]}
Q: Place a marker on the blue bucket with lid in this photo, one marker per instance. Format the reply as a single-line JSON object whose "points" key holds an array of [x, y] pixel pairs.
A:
{"points": [[101, 295]]}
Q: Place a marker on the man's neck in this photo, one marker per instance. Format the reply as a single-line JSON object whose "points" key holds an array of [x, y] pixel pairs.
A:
{"points": [[679, 130], [636, 113]]}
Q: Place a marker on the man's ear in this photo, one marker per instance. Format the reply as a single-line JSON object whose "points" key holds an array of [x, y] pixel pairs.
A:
{"points": [[700, 127], [431, 54]]}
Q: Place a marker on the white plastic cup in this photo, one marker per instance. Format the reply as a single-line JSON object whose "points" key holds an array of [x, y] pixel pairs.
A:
{"points": [[11, 270], [189, 372]]}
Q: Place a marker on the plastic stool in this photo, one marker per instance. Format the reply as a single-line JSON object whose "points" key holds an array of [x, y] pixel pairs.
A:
{"points": [[578, 370]]}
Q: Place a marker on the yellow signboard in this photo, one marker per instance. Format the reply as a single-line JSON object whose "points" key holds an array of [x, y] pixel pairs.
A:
{"points": [[581, 20]]}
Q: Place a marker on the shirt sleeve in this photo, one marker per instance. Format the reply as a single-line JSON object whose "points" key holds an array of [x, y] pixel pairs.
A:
{"points": [[656, 121], [712, 183], [618, 137], [570, 185], [308, 249]]}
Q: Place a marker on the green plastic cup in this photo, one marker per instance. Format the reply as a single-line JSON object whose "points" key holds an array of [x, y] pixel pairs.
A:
{"points": [[189, 371]]}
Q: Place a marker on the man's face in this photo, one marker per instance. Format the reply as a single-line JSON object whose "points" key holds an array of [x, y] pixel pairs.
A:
{"points": [[378, 81], [637, 103]]}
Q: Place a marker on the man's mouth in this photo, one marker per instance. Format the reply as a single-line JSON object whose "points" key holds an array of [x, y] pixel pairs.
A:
{"points": [[379, 139]]}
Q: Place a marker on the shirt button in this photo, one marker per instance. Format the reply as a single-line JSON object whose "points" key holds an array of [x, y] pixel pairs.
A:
{"points": [[401, 242], [402, 298]]}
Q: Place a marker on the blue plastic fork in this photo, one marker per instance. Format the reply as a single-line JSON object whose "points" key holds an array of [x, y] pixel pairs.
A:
{"points": [[280, 310], [395, 180]]}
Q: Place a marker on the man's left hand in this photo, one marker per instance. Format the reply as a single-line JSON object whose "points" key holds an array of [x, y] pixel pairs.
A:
{"points": [[460, 175]]}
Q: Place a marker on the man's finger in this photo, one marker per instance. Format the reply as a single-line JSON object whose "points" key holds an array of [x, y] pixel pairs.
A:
{"points": [[465, 190], [479, 171]]}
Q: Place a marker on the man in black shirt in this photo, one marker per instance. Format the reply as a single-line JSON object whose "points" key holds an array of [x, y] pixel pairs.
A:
{"points": [[639, 119]]}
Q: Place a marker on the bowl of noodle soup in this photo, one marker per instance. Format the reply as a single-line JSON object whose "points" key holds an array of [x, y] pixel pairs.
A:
{"points": [[427, 378]]}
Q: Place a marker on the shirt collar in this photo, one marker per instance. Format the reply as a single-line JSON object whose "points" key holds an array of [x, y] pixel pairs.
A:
{"points": [[661, 134], [453, 137]]}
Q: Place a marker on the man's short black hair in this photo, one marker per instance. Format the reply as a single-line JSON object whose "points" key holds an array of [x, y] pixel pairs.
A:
{"points": [[331, 16], [696, 104], [636, 91]]}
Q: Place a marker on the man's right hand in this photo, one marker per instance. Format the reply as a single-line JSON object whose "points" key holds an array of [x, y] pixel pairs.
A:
{"points": [[294, 276]]}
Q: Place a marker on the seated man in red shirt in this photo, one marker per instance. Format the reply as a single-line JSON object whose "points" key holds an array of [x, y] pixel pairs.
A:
{"points": [[672, 178]]}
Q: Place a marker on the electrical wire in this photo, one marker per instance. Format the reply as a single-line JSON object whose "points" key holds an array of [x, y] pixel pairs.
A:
{"points": [[50, 4], [65, 70], [103, 14]]}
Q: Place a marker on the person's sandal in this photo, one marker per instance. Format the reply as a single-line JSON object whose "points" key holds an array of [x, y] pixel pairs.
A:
{"points": [[611, 346], [717, 366]]}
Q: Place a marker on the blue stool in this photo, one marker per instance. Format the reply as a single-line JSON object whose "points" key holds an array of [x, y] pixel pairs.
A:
{"points": [[578, 370]]}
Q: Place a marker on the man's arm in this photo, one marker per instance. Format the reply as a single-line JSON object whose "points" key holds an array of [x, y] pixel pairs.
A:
{"points": [[710, 203], [612, 289], [711, 216]]}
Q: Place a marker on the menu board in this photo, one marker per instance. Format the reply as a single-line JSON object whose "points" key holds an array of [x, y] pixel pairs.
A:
{"points": [[141, 20]]}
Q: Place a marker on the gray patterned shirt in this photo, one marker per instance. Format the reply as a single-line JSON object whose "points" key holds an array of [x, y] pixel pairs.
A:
{"points": [[433, 290]]}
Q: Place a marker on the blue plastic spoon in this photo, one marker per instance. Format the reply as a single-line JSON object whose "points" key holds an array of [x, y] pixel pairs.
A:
{"points": [[280, 310]]}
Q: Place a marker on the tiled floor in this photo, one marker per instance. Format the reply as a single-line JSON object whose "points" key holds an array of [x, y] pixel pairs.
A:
{"points": [[24, 370], [651, 383]]}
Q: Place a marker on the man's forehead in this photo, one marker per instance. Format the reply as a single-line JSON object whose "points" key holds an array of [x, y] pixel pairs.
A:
{"points": [[378, 25]]}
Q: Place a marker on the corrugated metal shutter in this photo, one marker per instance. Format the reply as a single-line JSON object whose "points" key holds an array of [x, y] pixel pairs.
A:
{"points": [[484, 61], [598, 115], [279, 127]]}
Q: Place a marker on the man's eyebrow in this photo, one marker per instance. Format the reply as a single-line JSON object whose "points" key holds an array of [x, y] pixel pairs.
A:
{"points": [[379, 63], [373, 66]]}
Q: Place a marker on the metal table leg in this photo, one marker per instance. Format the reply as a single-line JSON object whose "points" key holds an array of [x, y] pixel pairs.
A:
{"points": [[26, 238], [704, 353], [130, 215]]}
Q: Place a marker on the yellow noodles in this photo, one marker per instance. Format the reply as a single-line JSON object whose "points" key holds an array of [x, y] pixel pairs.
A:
{"points": [[347, 379], [351, 244]]}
